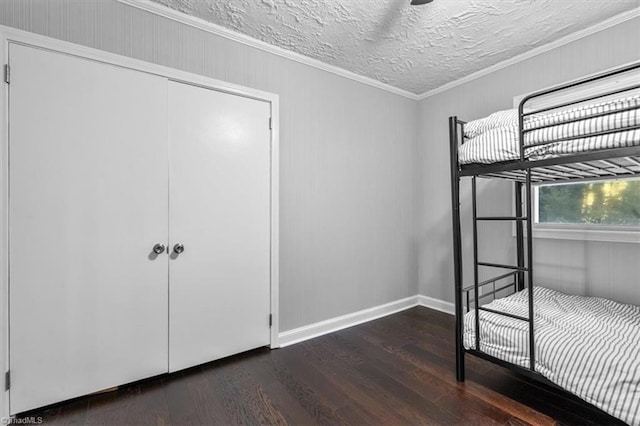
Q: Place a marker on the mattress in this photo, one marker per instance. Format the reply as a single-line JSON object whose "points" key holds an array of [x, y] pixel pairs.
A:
{"points": [[496, 137], [589, 346]]}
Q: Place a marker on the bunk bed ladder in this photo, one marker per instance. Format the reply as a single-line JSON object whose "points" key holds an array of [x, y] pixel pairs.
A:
{"points": [[518, 270]]}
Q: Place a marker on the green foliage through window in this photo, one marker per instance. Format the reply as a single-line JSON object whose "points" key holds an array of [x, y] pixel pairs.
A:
{"points": [[614, 202]]}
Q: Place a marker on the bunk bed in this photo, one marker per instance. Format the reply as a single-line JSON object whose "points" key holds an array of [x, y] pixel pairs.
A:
{"points": [[585, 345]]}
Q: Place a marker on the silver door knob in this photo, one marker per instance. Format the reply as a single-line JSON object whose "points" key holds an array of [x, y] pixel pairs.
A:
{"points": [[178, 248], [158, 248]]}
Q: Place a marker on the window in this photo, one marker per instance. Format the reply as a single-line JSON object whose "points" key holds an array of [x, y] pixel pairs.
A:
{"points": [[604, 203], [596, 210]]}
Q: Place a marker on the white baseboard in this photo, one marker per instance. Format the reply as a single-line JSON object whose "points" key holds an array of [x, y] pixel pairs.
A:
{"points": [[331, 325], [437, 304]]}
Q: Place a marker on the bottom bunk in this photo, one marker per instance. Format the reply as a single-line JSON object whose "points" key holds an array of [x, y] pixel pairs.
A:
{"points": [[587, 345]]}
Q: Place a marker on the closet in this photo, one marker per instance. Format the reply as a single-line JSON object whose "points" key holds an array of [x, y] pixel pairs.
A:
{"points": [[139, 225]]}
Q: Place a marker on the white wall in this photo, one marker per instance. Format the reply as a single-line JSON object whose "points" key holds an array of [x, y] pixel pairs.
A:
{"points": [[348, 153], [600, 269]]}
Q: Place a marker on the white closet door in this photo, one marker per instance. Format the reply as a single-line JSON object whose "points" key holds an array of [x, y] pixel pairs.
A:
{"points": [[88, 201], [219, 151]]}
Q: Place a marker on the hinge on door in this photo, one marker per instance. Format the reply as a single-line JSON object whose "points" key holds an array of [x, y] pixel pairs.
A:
{"points": [[270, 123], [7, 73], [7, 380], [270, 320]]}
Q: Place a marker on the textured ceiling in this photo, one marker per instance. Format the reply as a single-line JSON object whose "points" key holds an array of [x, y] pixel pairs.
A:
{"points": [[415, 48]]}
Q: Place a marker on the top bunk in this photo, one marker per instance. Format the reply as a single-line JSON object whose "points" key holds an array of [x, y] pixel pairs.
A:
{"points": [[584, 129]]}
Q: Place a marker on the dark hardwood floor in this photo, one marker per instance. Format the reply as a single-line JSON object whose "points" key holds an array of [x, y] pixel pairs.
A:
{"points": [[395, 370]]}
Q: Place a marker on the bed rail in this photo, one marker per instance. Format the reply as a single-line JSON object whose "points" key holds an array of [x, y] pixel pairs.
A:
{"points": [[494, 291], [576, 83], [603, 164]]}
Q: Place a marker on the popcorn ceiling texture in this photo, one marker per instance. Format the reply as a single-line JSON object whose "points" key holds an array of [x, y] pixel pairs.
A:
{"points": [[413, 48]]}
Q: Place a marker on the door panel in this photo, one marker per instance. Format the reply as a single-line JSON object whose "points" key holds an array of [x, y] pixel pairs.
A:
{"points": [[88, 200], [219, 150]]}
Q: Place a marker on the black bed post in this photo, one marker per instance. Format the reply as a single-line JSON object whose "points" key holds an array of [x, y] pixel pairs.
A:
{"points": [[519, 235], [532, 352], [457, 245]]}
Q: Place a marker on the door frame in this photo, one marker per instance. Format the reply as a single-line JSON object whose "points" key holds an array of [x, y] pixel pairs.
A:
{"points": [[10, 35]]}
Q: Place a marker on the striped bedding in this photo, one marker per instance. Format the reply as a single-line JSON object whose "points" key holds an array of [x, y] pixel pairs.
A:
{"points": [[587, 345], [496, 137]]}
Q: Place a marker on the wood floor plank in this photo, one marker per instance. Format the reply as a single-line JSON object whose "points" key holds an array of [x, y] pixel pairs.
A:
{"points": [[472, 409], [412, 402], [191, 400], [310, 389], [142, 403], [262, 371], [351, 393], [235, 399], [71, 413], [397, 370], [430, 366]]}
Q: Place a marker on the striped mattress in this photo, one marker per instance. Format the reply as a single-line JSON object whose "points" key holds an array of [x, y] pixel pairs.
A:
{"points": [[589, 346], [496, 137]]}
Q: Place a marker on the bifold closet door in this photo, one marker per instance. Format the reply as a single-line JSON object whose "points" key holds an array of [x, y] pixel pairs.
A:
{"points": [[88, 201], [219, 173]]}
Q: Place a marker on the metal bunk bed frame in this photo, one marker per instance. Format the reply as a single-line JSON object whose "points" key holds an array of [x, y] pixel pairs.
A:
{"points": [[601, 164]]}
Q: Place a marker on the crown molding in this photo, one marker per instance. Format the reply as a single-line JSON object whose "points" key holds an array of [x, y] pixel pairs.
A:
{"points": [[608, 23], [201, 24], [221, 31]]}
